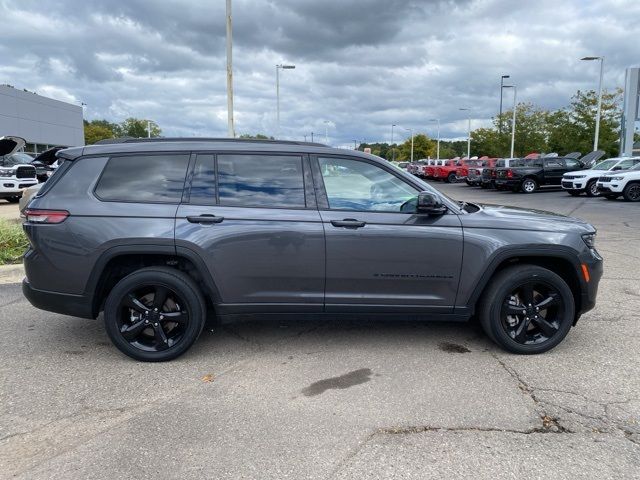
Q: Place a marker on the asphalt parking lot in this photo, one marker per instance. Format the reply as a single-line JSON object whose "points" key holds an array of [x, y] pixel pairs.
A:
{"points": [[334, 399]]}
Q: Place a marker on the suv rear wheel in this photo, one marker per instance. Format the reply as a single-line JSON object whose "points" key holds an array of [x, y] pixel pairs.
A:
{"points": [[527, 309], [154, 314], [631, 192]]}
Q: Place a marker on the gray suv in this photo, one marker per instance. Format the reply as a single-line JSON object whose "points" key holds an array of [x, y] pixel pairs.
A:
{"points": [[157, 234]]}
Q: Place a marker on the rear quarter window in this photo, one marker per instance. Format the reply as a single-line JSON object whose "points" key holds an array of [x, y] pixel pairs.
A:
{"points": [[143, 178]]}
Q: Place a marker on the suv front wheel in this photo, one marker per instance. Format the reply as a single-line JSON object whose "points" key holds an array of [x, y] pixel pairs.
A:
{"points": [[527, 309], [154, 314]]}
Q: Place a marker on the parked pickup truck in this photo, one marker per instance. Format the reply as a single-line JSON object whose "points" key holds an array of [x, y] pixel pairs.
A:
{"points": [[584, 181], [462, 172], [16, 171], [542, 171], [431, 169], [474, 175]]}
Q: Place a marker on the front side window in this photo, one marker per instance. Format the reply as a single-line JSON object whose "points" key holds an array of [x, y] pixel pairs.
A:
{"points": [[570, 163], [261, 181], [554, 163], [361, 186], [143, 178]]}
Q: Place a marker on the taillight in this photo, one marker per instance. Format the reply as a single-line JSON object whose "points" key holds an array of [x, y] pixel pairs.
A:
{"points": [[494, 174], [509, 174], [45, 216]]}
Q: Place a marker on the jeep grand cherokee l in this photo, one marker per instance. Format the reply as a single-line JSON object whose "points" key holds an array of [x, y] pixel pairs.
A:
{"points": [[158, 233]]}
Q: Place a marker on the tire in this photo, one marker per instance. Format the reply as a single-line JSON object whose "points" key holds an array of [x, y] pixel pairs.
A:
{"points": [[529, 185], [592, 189], [13, 199], [529, 335], [155, 336], [468, 182], [451, 178], [631, 192]]}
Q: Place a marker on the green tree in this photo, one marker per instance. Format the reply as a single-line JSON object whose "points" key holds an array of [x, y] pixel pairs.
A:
{"points": [[96, 130], [423, 147], [137, 128], [257, 136]]}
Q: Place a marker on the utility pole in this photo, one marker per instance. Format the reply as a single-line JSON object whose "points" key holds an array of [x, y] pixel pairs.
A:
{"points": [[500, 114], [278, 67], [311, 137], [393, 150], [438, 144], [230, 127], [468, 110], [597, 134], [513, 119], [148, 128]]}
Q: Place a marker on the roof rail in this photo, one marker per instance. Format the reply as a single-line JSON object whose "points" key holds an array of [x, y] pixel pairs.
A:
{"points": [[108, 141]]}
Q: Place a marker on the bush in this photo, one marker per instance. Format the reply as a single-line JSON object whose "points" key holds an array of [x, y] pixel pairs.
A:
{"points": [[13, 242]]}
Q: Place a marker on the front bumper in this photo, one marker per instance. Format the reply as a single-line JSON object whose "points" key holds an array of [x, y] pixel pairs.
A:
{"points": [[573, 185], [609, 187], [11, 187], [64, 303], [589, 289]]}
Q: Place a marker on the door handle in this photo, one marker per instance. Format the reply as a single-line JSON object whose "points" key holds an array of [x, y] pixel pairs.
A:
{"points": [[205, 218], [348, 223]]}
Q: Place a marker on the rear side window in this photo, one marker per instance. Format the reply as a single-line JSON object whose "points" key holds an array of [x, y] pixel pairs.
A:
{"points": [[203, 183], [261, 181], [143, 178]]}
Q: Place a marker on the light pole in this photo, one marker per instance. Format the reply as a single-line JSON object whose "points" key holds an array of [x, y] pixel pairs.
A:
{"points": [[393, 150], [513, 118], [278, 67], [468, 132], [326, 132], [500, 114], [595, 140], [438, 144], [148, 128], [230, 127], [411, 130]]}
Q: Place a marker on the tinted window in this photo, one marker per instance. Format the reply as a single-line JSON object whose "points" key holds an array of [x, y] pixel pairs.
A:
{"points": [[572, 163], [357, 185], [554, 163], [261, 180], [143, 178], [203, 183]]}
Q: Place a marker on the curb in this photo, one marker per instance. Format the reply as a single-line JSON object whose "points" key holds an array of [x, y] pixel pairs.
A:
{"points": [[11, 274]]}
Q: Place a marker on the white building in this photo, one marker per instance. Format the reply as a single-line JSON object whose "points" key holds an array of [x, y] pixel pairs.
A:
{"points": [[41, 121]]}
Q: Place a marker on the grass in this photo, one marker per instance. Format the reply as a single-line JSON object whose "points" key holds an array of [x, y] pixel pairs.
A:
{"points": [[13, 242]]}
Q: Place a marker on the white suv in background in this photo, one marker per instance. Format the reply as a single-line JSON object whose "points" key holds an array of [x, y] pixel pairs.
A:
{"points": [[16, 172], [624, 182], [582, 181]]}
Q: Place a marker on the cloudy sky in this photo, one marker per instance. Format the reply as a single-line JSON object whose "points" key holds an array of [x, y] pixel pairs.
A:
{"points": [[361, 65]]}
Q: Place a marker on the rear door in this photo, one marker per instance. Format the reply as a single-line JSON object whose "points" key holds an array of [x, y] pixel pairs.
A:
{"points": [[252, 218]]}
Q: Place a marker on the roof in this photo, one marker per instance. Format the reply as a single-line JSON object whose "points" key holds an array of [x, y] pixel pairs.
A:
{"points": [[139, 145]]}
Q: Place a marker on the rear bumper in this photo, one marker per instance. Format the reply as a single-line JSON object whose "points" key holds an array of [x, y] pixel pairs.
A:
{"points": [[66, 304]]}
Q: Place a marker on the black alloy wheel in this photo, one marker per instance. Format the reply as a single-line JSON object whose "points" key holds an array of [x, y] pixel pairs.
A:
{"points": [[631, 192], [154, 314], [592, 189], [527, 309]]}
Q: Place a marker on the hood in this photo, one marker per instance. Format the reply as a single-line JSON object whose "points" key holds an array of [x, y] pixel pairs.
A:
{"points": [[516, 218], [48, 157], [9, 145], [590, 159]]}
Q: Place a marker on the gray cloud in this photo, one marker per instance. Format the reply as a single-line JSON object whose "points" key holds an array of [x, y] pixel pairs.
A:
{"points": [[362, 65]]}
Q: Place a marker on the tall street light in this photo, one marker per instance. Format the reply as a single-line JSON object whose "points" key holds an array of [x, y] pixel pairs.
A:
{"points": [[393, 150], [438, 144], [278, 67], [500, 115], [230, 127], [595, 140], [468, 132], [411, 130], [326, 132], [513, 119]]}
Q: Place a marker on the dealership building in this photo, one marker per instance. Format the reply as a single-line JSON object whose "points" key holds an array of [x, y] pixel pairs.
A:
{"points": [[43, 122]]}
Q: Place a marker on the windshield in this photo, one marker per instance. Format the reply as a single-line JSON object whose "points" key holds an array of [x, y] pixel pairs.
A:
{"points": [[606, 165], [15, 159]]}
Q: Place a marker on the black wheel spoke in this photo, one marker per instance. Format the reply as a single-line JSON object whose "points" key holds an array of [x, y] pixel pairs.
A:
{"points": [[160, 337], [521, 331], [550, 301], [510, 309], [159, 297], [133, 331], [545, 327], [527, 294], [178, 317], [133, 303]]}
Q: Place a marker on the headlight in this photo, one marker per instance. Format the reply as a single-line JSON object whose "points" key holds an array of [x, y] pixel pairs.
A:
{"points": [[590, 239], [617, 178], [4, 172], [579, 176]]}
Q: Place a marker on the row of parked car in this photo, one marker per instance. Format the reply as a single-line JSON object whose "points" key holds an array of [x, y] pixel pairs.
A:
{"points": [[19, 170], [576, 174]]}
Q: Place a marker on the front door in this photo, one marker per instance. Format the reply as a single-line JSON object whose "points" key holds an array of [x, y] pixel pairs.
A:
{"points": [[554, 168], [381, 257], [251, 219]]}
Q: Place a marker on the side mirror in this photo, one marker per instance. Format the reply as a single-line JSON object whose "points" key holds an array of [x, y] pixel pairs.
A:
{"points": [[430, 204]]}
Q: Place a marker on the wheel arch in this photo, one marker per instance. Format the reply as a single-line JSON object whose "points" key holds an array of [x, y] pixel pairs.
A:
{"points": [[558, 259], [117, 262]]}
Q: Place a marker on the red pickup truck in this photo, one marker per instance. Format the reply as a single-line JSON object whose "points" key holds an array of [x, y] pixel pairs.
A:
{"points": [[462, 172], [447, 172]]}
